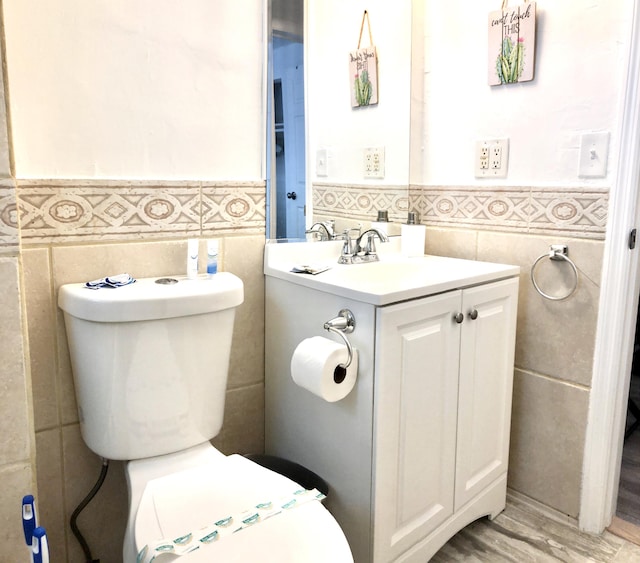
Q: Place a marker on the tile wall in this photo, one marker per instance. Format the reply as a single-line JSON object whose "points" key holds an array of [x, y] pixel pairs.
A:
{"points": [[17, 447], [78, 230], [75, 230], [555, 339]]}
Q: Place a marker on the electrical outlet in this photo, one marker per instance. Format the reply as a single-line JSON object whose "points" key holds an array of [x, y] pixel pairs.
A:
{"points": [[483, 156], [492, 158], [374, 162], [495, 158]]}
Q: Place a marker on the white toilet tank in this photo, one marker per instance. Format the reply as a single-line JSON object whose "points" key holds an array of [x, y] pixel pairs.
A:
{"points": [[150, 361]]}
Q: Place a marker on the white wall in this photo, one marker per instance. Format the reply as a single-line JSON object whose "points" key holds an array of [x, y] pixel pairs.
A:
{"points": [[136, 88], [333, 27], [580, 64], [86, 110]]}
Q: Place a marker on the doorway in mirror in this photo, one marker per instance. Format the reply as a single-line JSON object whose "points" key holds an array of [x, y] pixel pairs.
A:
{"points": [[286, 122], [289, 123]]}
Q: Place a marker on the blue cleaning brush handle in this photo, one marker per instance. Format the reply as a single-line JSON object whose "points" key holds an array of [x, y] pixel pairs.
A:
{"points": [[40, 546], [28, 518]]}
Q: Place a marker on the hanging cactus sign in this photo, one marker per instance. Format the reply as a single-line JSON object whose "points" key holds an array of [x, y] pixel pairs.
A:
{"points": [[512, 42], [363, 69]]}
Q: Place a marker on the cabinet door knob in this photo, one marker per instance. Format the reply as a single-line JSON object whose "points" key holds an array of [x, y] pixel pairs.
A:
{"points": [[459, 317], [473, 314]]}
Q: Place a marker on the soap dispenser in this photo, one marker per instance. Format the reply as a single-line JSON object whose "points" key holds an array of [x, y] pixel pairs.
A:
{"points": [[412, 236], [381, 224]]}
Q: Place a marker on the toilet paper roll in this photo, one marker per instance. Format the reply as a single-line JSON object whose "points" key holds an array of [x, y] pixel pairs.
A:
{"points": [[315, 367]]}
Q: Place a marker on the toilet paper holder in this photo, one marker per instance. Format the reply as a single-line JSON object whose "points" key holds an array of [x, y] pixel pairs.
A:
{"points": [[343, 324]]}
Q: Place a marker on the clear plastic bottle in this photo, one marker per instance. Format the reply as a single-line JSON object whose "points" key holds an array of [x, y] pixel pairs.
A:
{"points": [[192, 258], [213, 246]]}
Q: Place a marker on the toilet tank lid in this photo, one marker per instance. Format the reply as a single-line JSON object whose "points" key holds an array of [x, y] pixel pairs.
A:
{"points": [[153, 298]]}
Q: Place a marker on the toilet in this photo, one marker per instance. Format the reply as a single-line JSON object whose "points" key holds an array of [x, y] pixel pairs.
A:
{"points": [[150, 363]]}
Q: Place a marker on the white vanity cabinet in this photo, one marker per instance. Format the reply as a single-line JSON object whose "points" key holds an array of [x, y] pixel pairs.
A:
{"points": [[442, 409], [419, 448]]}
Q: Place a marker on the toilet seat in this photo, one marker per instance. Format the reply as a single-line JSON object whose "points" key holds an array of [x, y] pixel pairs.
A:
{"points": [[186, 501]]}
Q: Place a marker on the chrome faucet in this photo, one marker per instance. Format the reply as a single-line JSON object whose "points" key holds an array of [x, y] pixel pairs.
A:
{"points": [[324, 229], [347, 247], [370, 247], [354, 253]]}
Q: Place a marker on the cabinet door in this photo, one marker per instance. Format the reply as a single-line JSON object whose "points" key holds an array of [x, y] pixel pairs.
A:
{"points": [[486, 382], [416, 386]]}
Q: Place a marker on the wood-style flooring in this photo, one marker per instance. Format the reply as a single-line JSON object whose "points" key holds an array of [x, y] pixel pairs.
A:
{"points": [[628, 507], [523, 533]]}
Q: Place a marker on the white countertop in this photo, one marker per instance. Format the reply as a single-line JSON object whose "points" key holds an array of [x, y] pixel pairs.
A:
{"points": [[394, 278]]}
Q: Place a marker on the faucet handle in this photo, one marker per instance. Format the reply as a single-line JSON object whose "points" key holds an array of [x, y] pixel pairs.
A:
{"points": [[350, 246], [370, 246], [357, 229], [346, 247]]}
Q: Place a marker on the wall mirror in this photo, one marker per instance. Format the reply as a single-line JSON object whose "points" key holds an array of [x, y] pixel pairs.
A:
{"points": [[320, 34], [286, 130]]}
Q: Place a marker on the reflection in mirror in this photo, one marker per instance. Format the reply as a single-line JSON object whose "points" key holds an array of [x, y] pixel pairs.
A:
{"points": [[338, 134], [286, 183]]}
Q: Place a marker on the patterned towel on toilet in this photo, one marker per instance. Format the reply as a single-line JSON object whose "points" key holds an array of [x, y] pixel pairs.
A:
{"points": [[169, 549], [111, 281]]}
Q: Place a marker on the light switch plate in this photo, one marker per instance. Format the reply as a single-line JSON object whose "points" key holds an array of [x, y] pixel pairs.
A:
{"points": [[594, 151], [322, 168]]}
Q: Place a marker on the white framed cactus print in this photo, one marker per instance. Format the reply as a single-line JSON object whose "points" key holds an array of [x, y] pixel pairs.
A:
{"points": [[512, 44], [363, 70]]}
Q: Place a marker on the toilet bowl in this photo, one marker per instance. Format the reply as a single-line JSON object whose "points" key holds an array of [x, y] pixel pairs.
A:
{"points": [[150, 363], [209, 487]]}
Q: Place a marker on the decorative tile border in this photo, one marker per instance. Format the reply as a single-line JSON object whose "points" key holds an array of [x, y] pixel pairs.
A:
{"points": [[76, 210], [9, 234], [575, 212], [360, 202], [507, 209], [578, 211], [229, 209]]}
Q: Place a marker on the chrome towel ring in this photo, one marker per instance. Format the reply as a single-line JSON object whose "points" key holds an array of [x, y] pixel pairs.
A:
{"points": [[556, 252]]}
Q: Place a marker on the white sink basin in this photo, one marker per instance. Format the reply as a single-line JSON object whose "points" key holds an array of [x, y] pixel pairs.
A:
{"points": [[394, 278]]}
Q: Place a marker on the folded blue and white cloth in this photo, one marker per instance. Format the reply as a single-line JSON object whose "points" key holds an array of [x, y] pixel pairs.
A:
{"points": [[111, 281], [174, 548]]}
